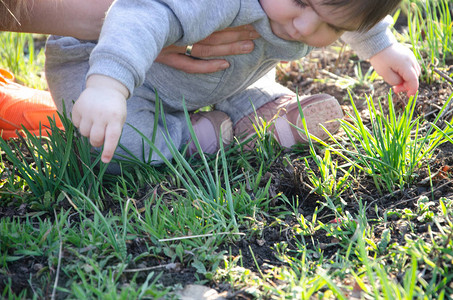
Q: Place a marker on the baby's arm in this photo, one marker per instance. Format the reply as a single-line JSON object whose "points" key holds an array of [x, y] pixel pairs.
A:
{"points": [[100, 113]]}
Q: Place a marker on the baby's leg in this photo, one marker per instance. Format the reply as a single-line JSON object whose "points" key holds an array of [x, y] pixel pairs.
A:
{"points": [[261, 92], [279, 107], [66, 68]]}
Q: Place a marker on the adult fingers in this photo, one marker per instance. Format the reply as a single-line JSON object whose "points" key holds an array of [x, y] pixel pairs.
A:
{"points": [[234, 48], [231, 35], [206, 51], [191, 65]]}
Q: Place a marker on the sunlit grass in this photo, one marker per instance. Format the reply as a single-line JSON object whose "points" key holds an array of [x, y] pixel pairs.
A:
{"points": [[393, 148], [87, 234], [431, 34], [18, 55]]}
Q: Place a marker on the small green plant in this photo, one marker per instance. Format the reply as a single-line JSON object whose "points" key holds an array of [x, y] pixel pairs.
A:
{"points": [[305, 227], [373, 279], [327, 184], [444, 132], [101, 279], [359, 80], [261, 143], [22, 239], [424, 211], [366, 79], [106, 227]]}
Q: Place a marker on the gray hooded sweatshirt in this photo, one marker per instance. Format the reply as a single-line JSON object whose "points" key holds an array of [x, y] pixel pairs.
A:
{"points": [[135, 31]]}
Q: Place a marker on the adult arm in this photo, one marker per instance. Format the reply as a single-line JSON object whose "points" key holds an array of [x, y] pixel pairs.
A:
{"points": [[78, 18]]}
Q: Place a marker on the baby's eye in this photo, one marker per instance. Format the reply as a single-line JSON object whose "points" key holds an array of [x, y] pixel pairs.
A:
{"points": [[300, 3]]}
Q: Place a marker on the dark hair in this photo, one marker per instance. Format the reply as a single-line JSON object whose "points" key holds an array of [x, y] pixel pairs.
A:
{"points": [[371, 11]]}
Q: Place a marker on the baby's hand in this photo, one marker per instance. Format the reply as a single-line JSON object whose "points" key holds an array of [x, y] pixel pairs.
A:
{"points": [[399, 68], [100, 113]]}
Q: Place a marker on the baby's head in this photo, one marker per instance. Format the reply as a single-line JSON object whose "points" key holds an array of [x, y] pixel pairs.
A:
{"points": [[319, 23], [370, 12]]}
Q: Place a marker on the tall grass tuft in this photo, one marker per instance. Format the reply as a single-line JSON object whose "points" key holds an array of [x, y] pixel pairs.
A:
{"points": [[47, 165], [393, 148], [431, 34]]}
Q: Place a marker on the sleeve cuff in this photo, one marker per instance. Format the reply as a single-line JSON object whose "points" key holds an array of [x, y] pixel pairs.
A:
{"points": [[367, 44], [110, 66]]}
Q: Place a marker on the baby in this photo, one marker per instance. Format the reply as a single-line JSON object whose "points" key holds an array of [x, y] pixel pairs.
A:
{"points": [[116, 81]]}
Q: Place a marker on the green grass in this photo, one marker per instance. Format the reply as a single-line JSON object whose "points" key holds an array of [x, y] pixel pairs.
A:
{"points": [[431, 34], [18, 55], [393, 148], [82, 233]]}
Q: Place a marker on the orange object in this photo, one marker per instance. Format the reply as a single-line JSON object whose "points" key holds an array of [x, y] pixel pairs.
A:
{"points": [[24, 106]]}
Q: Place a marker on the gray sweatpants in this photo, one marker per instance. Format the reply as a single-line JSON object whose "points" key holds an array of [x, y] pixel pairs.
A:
{"points": [[66, 68]]}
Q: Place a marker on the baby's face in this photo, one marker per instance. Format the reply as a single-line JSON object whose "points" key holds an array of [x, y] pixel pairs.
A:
{"points": [[308, 21]]}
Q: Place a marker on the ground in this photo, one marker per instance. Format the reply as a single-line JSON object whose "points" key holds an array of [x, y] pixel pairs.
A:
{"points": [[318, 73]]}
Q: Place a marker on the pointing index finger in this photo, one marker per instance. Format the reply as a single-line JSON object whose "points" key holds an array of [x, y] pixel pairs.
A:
{"points": [[112, 136]]}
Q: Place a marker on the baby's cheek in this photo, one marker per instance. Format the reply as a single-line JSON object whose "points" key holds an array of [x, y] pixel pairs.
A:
{"points": [[319, 40]]}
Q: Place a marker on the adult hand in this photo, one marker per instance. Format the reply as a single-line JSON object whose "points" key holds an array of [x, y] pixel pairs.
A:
{"points": [[399, 68], [100, 113], [230, 41]]}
